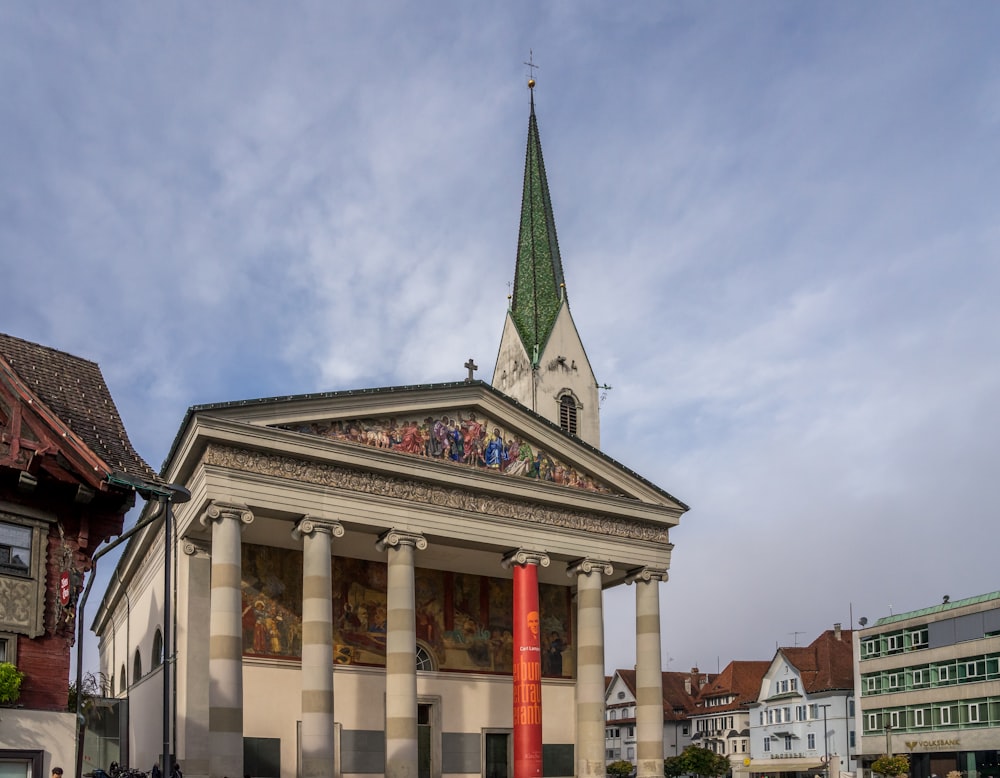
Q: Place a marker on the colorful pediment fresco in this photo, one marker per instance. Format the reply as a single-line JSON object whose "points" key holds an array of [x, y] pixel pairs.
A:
{"points": [[463, 622], [461, 437]]}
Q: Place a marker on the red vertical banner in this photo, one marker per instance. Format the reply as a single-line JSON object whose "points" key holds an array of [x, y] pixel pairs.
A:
{"points": [[527, 674]]}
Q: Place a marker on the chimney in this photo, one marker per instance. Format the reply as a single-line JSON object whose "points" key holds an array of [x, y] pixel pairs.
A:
{"points": [[693, 681], [836, 631]]}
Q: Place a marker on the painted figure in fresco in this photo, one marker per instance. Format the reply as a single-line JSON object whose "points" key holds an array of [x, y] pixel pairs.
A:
{"points": [[410, 440], [522, 463], [433, 445], [472, 440], [495, 454], [457, 442], [553, 654]]}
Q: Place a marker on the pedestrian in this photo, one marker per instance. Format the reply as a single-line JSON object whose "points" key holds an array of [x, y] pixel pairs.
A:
{"points": [[176, 771], [57, 772]]}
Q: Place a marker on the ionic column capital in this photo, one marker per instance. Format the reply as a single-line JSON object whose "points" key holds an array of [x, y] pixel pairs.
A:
{"points": [[524, 556], [586, 566], [193, 547], [394, 538], [310, 525], [646, 574], [218, 511]]}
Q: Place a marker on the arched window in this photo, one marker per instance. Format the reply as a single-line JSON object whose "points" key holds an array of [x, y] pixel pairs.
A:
{"points": [[424, 659], [137, 667], [121, 680], [157, 657], [567, 413]]}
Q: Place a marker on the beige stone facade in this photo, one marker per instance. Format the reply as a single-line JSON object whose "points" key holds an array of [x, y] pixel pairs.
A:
{"points": [[418, 684]]}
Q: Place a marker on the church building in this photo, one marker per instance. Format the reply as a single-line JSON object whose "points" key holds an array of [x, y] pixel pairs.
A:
{"points": [[400, 581]]}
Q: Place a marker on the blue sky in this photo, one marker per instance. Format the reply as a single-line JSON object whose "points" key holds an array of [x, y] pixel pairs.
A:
{"points": [[777, 222]]}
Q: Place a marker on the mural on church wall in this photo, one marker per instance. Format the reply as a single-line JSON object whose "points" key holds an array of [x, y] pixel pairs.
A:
{"points": [[461, 437], [464, 621]]}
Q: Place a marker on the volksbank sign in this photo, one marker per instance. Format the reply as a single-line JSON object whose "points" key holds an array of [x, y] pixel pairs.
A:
{"points": [[912, 744]]}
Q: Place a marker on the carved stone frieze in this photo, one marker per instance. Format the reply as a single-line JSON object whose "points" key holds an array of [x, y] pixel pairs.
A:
{"points": [[17, 604], [366, 482]]}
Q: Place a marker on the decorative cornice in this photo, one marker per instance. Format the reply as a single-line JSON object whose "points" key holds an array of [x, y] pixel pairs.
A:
{"points": [[524, 556], [395, 537], [588, 566], [308, 525], [646, 574], [218, 511], [367, 482]]}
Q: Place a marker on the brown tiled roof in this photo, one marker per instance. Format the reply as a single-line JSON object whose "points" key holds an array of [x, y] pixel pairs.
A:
{"points": [[739, 678], [678, 703], [826, 663], [74, 389]]}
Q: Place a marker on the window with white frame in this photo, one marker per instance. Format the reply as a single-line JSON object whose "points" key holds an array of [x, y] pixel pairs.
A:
{"points": [[975, 669], [871, 684], [788, 714], [613, 714], [810, 741], [850, 739], [793, 684], [873, 722], [918, 638], [919, 719], [767, 744], [976, 713], [944, 674], [770, 716], [944, 712], [895, 680], [869, 648], [800, 712], [788, 742], [762, 718], [921, 676], [895, 719], [894, 643]]}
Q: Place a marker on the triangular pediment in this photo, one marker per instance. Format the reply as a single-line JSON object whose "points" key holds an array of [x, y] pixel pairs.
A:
{"points": [[450, 428]]}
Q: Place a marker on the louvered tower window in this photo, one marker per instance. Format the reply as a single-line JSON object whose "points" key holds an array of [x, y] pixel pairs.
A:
{"points": [[567, 413]]}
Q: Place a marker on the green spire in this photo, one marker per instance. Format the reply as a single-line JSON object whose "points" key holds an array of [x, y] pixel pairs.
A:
{"points": [[539, 287]]}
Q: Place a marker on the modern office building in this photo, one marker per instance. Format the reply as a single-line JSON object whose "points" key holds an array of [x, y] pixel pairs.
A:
{"points": [[929, 684]]}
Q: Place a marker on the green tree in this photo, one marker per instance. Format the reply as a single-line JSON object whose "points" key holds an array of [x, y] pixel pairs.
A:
{"points": [[698, 761], [892, 765], [622, 768], [10, 683]]}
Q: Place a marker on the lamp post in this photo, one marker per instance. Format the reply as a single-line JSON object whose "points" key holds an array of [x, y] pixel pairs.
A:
{"points": [[174, 494], [826, 741], [888, 739], [164, 494]]}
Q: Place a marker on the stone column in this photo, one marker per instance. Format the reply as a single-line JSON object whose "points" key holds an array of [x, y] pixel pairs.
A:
{"points": [[590, 723], [317, 645], [225, 640], [400, 654], [648, 671]]}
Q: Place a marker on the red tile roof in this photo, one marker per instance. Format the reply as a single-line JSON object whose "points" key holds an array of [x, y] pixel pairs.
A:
{"points": [[826, 663]]}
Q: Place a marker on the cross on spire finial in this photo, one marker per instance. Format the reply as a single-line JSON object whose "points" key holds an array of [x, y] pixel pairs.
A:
{"points": [[471, 366], [532, 67]]}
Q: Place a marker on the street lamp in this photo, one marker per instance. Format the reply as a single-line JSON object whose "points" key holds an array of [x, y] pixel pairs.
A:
{"points": [[826, 747], [165, 494], [174, 494]]}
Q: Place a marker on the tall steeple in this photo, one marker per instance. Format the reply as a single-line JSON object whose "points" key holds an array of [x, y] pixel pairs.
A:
{"points": [[542, 363], [539, 285]]}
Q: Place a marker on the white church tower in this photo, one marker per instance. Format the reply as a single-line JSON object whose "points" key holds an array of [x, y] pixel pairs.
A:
{"points": [[542, 363]]}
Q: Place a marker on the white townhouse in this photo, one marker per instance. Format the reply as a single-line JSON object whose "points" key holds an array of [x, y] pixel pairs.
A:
{"points": [[803, 721]]}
